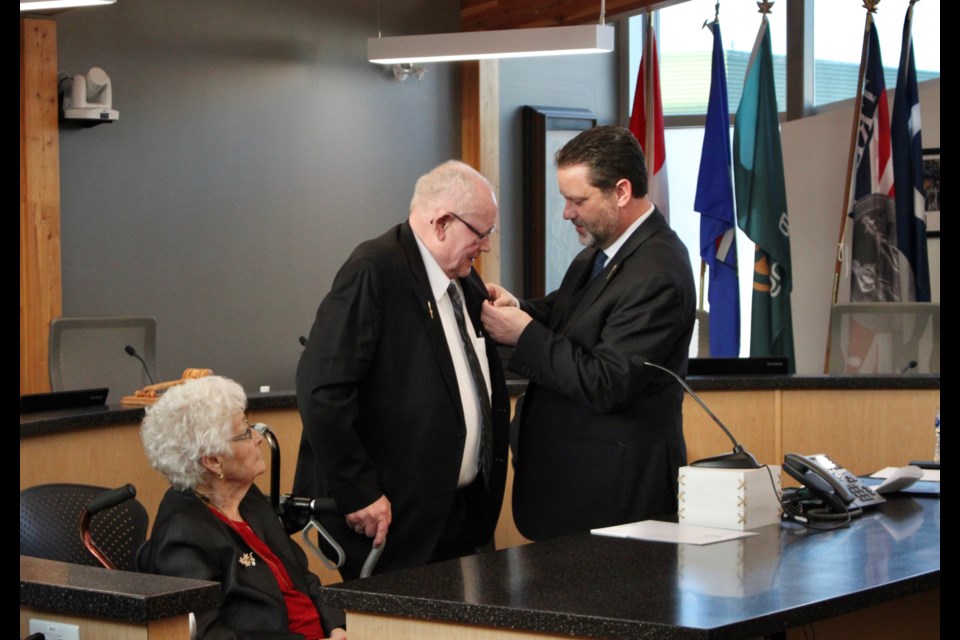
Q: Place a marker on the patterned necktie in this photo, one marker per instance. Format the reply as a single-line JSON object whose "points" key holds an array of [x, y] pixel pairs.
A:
{"points": [[598, 264], [480, 384]]}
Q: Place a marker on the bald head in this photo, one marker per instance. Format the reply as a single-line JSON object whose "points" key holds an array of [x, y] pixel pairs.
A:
{"points": [[453, 211], [451, 185]]}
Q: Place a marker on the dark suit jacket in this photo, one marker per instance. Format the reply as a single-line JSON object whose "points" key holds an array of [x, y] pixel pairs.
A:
{"points": [[190, 542], [601, 439], [381, 406]]}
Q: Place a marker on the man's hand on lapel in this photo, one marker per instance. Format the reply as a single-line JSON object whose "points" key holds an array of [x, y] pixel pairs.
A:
{"points": [[504, 324], [500, 297]]}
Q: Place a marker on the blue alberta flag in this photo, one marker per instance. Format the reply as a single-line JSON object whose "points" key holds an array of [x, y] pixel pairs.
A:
{"points": [[714, 202]]}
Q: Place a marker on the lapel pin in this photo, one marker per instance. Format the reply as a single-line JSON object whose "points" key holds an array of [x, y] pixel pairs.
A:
{"points": [[430, 309], [248, 560]]}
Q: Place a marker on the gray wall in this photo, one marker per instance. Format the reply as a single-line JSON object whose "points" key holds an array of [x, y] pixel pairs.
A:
{"points": [[256, 147], [587, 82]]}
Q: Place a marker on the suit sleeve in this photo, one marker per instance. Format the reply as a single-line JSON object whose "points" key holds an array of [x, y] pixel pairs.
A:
{"points": [[645, 320], [338, 354], [539, 309]]}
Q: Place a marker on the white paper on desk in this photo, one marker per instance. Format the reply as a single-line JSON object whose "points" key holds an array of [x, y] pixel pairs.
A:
{"points": [[929, 475], [657, 531]]}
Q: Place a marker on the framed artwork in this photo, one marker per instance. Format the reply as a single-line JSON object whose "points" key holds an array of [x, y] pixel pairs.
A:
{"points": [[550, 242], [931, 189]]}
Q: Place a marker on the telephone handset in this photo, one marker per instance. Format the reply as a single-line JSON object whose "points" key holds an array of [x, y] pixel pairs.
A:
{"points": [[839, 489]]}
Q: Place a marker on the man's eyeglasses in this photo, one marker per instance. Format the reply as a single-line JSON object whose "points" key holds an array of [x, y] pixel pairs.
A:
{"points": [[481, 236]]}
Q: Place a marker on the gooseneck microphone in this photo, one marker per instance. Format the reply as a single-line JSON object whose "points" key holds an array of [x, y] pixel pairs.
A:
{"points": [[910, 365], [740, 458], [133, 354]]}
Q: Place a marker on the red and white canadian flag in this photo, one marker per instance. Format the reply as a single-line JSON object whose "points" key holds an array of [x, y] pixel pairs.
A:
{"points": [[646, 122]]}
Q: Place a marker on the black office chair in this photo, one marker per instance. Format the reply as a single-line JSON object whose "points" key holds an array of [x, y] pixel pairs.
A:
{"points": [[50, 526]]}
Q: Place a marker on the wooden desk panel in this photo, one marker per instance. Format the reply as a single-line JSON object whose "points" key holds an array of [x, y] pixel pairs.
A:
{"points": [[863, 430], [752, 416]]}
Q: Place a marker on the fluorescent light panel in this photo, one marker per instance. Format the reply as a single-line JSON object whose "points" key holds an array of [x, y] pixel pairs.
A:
{"points": [[43, 5], [483, 45]]}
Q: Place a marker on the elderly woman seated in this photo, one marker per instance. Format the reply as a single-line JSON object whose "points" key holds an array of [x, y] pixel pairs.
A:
{"points": [[215, 524]]}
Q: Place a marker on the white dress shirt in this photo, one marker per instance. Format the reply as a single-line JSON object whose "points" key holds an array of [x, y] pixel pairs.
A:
{"points": [[469, 397]]}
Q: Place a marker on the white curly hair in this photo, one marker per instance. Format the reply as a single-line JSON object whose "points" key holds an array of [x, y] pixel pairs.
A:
{"points": [[190, 421]]}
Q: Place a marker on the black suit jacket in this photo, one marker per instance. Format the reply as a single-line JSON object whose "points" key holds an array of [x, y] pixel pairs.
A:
{"points": [[381, 406], [190, 542], [601, 439]]}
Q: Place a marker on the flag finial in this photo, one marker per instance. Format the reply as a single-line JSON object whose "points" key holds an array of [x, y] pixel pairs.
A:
{"points": [[871, 5], [766, 7]]}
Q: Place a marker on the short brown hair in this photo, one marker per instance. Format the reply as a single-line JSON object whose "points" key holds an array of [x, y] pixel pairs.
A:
{"points": [[612, 154]]}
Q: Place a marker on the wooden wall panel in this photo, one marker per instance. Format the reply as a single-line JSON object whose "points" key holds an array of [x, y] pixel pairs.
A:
{"points": [[102, 629], [40, 283], [751, 416], [372, 626], [176, 628], [480, 140], [864, 430], [487, 15]]}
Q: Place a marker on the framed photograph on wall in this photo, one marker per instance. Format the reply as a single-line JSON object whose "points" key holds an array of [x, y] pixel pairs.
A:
{"points": [[550, 242], [931, 189]]}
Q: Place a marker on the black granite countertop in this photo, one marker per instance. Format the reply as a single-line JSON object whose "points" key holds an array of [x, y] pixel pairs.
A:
{"points": [[36, 424], [118, 595], [809, 382], [611, 588]]}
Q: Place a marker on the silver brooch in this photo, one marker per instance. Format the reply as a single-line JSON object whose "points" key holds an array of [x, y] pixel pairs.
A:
{"points": [[248, 560]]}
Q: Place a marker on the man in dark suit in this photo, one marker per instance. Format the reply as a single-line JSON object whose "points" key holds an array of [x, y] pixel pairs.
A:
{"points": [[402, 397], [600, 436]]}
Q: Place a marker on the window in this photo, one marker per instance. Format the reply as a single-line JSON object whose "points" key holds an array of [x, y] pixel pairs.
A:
{"points": [[838, 40], [685, 50]]}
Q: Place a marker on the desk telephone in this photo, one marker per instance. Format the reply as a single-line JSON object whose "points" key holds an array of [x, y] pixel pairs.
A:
{"points": [[839, 489]]}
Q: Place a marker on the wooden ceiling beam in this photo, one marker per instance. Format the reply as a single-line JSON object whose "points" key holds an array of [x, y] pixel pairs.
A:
{"points": [[489, 15]]}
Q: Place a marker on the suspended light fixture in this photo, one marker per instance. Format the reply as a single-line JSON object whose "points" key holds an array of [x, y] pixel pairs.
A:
{"points": [[483, 45], [44, 5]]}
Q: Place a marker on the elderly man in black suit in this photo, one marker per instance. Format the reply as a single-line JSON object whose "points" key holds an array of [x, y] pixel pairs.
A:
{"points": [[403, 400], [601, 437]]}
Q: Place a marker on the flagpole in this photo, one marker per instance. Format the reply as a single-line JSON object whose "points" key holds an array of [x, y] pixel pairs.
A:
{"points": [[871, 7], [703, 271], [649, 104]]}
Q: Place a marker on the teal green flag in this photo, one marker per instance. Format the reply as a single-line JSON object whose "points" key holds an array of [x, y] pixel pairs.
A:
{"points": [[762, 203]]}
